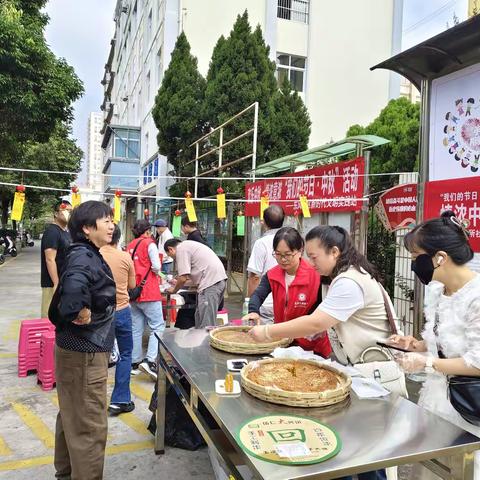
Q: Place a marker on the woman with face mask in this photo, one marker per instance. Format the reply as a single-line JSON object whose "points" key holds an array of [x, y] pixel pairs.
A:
{"points": [[451, 337]]}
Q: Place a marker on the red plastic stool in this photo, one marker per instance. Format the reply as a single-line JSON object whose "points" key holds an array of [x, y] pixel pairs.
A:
{"points": [[46, 361], [29, 343]]}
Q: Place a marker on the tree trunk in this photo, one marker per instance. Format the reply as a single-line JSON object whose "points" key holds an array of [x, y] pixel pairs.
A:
{"points": [[5, 202]]}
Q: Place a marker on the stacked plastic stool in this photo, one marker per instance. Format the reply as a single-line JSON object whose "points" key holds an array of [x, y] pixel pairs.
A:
{"points": [[46, 361], [29, 343]]}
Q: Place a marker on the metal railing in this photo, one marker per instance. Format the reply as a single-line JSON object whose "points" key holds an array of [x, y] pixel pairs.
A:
{"points": [[296, 10]]}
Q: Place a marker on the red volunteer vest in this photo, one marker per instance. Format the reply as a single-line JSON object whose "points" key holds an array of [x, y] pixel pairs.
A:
{"points": [[151, 290], [302, 295]]}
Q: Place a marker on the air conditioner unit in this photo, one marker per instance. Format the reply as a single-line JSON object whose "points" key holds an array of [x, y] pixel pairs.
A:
{"points": [[125, 8]]}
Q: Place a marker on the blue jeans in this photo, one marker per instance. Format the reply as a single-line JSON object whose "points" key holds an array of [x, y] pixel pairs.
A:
{"points": [[149, 313], [123, 332], [167, 268], [374, 475]]}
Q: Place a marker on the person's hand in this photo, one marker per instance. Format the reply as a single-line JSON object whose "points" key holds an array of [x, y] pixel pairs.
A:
{"points": [[252, 317], [407, 342], [84, 317], [170, 290], [259, 333], [411, 362]]}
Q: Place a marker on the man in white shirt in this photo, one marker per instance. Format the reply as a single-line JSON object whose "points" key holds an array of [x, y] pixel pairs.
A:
{"points": [[261, 259], [164, 234]]}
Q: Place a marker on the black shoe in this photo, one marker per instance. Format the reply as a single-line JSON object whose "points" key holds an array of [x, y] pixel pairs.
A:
{"points": [[135, 370], [150, 368], [118, 408]]}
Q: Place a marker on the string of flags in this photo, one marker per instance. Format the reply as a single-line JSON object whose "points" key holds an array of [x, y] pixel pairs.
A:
{"points": [[19, 203]]}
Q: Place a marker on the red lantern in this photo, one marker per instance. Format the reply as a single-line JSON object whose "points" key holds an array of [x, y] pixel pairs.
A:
{"points": [[178, 213], [187, 194], [63, 206], [74, 189], [20, 188], [118, 193], [264, 193], [220, 190]]}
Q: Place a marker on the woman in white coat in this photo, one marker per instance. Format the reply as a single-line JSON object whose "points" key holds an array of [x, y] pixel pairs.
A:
{"points": [[451, 338]]}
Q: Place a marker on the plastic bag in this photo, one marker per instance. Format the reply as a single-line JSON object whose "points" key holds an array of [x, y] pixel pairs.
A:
{"points": [[180, 431]]}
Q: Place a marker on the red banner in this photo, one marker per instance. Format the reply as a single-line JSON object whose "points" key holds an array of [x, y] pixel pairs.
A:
{"points": [[336, 187], [397, 207], [461, 195]]}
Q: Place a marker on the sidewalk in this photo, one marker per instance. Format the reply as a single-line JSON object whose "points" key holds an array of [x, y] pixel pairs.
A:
{"points": [[28, 413]]}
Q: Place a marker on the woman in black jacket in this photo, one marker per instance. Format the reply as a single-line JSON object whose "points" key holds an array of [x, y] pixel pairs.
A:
{"points": [[82, 310]]}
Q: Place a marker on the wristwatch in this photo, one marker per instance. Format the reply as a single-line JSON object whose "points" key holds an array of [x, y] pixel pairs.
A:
{"points": [[429, 368]]}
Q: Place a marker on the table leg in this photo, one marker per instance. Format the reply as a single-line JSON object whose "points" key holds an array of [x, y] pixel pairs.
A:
{"points": [[160, 414], [168, 309], [462, 467]]}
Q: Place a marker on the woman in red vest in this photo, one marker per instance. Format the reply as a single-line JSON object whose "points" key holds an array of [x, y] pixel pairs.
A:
{"points": [[295, 286], [147, 308]]}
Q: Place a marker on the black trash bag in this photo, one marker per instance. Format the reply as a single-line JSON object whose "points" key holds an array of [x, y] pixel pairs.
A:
{"points": [[180, 431], [186, 313]]}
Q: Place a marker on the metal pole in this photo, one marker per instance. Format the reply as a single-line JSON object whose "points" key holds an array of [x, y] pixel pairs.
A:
{"points": [[220, 151], [363, 230], [255, 133], [423, 177], [229, 247], [197, 149]]}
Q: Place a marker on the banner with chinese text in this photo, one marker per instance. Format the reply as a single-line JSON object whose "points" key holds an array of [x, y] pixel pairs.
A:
{"points": [[336, 187], [461, 195], [397, 207]]}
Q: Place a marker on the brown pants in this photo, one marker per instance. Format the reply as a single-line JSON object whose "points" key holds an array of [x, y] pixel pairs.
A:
{"points": [[81, 429], [47, 295]]}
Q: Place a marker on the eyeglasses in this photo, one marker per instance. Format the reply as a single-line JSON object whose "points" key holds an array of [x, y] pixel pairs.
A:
{"points": [[284, 256]]}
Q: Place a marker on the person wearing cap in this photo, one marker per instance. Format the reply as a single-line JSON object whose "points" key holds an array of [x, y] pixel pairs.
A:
{"points": [[164, 234], [147, 308]]}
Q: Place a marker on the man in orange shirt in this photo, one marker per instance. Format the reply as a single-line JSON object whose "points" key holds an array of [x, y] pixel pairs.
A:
{"points": [[123, 271]]}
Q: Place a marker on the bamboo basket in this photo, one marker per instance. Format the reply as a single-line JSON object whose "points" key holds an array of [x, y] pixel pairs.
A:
{"points": [[244, 348], [297, 399]]}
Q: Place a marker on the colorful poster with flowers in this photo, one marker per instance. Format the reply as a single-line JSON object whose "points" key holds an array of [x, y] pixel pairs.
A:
{"points": [[455, 125]]}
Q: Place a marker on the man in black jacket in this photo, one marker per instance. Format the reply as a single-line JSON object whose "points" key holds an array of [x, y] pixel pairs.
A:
{"points": [[83, 309], [190, 229]]}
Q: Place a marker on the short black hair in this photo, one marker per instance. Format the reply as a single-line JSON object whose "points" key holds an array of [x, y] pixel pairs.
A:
{"points": [[86, 215], [140, 227], [273, 216], [187, 222], [117, 233], [56, 207], [171, 243], [291, 237]]}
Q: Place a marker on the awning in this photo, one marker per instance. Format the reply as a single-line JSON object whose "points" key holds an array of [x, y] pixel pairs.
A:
{"points": [[456, 48], [320, 155]]}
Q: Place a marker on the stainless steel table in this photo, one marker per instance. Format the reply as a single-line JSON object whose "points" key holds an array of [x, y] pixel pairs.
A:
{"points": [[375, 433]]}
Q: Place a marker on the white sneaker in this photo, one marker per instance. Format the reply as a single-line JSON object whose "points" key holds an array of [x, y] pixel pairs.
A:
{"points": [[150, 368], [135, 370]]}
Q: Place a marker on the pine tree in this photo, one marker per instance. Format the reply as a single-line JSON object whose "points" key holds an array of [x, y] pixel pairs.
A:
{"points": [[178, 111], [290, 126], [240, 73]]}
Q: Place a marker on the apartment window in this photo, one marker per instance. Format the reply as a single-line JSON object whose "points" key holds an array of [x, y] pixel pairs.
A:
{"points": [[150, 172], [126, 143], [146, 143], [155, 168], [293, 68], [159, 67], [147, 82], [296, 10], [149, 27]]}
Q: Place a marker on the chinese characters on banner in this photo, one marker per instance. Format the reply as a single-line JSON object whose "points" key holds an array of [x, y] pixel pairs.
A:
{"points": [[461, 195], [336, 187], [397, 207]]}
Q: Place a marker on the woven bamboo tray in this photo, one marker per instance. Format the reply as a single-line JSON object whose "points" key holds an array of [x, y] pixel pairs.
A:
{"points": [[244, 348], [297, 399]]}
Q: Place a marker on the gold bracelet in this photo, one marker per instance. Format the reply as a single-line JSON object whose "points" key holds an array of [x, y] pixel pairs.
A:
{"points": [[267, 335]]}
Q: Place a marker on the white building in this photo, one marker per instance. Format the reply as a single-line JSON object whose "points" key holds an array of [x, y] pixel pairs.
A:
{"points": [[325, 48], [94, 152]]}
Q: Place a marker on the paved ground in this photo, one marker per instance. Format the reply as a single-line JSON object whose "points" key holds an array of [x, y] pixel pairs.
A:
{"points": [[28, 414]]}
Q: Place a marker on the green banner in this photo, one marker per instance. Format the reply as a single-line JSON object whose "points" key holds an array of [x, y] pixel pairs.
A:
{"points": [[241, 225], [176, 231]]}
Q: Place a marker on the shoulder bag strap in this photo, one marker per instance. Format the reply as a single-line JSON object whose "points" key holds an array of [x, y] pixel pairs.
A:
{"points": [[136, 246], [388, 309]]}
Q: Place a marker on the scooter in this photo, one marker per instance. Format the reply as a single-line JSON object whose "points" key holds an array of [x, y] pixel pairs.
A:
{"points": [[10, 248]]}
